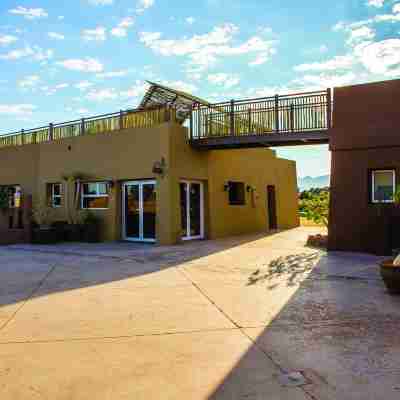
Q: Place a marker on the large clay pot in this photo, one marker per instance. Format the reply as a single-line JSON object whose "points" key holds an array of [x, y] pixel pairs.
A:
{"points": [[391, 276]]}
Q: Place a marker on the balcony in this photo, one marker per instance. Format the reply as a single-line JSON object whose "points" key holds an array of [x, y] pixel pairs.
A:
{"points": [[138, 118], [296, 119]]}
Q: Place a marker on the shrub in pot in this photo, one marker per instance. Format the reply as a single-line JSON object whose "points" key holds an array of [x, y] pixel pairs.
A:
{"points": [[42, 232], [73, 232], [390, 269], [390, 273], [90, 228]]}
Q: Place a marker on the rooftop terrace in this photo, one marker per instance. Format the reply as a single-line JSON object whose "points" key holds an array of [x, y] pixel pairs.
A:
{"points": [[302, 118]]}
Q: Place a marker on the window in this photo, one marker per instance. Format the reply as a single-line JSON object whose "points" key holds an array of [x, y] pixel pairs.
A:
{"points": [[56, 195], [236, 193], [14, 195], [383, 186], [95, 195]]}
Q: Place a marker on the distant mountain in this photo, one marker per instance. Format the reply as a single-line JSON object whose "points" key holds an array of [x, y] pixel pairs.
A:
{"points": [[309, 182]]}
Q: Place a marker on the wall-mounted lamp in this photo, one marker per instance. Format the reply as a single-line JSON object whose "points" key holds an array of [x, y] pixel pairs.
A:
{"points": [[250, 188], [227, 186], [159, 167]]}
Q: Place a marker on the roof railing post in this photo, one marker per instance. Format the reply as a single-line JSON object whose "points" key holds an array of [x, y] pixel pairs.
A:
{"points": [[329, 108], [292, 117], [51, 131], [199, 132], [22, 136], [276, 109], [121, 119], [232, 117], [83, 126], [191, 123], [249, 120]]}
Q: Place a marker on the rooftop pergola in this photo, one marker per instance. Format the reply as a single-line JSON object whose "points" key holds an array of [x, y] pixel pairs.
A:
{"points": [[162, 96]]}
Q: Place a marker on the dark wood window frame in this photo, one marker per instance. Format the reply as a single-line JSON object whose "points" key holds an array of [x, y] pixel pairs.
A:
{"points": [[237, 193]]}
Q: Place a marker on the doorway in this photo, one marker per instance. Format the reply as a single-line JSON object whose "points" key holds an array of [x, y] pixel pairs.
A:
{"points": [[192, 209], [139, 211], [271, 205]]}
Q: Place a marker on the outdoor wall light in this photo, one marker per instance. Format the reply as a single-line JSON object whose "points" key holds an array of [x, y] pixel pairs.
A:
{"points": [[250, 189], [226, 187], [159, 167]]}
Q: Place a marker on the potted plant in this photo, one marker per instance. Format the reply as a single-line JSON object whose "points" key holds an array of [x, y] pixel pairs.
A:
{"points": [[73, 230], [4, 200], [90, 228], [42, 232], [390, 269]]}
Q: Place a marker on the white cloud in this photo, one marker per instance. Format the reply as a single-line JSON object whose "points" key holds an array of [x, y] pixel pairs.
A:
{"points": [[17, 109], [102, 95], [143, 5], [360, 34], [121, 30], [83, 65], [223, 79], [7, 39], [83, 85], [97, 34], [100, 2], [112, 74], [29, 81], [50, 90], [190, 20], [29, 13], [55, 36], [317, 82], [136, 90], [82, 111], [204, 50], [180, 85], [380, 57], [375, 3], [338, 62], [36, 53], [305, 84]]}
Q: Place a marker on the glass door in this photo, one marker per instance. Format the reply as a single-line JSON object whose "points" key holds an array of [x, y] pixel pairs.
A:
{"points": [[139, 211], [192, 210]]}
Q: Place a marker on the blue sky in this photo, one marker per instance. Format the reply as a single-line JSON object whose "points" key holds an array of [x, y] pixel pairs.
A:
{"points": [[61, 60]]}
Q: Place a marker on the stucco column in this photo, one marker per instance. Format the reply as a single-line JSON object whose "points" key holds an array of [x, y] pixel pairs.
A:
{"points": [[167, 210]]}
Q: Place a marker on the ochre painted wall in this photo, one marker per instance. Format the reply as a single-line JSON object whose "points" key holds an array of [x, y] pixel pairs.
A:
{"points": [[130, 155]]}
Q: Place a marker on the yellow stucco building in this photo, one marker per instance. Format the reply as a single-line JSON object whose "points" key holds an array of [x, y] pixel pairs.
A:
{"points": [[145, 182]]}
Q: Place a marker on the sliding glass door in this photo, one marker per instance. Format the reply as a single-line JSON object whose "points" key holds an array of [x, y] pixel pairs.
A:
{"points": [[192, 209], [139, 211]]}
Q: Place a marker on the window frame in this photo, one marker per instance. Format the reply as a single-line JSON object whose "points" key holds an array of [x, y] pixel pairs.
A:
{"points": [[12, 196], [373, 171], [54, 196], [94, 196], [237, 203]]}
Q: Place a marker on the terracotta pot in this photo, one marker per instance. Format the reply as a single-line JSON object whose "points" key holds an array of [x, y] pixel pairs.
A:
{"points": [[391, 276]]}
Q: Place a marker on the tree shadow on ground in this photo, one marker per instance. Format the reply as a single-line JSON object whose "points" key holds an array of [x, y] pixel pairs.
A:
{"points": [[293, 267]]}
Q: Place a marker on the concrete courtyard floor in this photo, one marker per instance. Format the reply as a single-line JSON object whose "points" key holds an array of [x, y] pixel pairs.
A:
{"points": [[224, 319]]}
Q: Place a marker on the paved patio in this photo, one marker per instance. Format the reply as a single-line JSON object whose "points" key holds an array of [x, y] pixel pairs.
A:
{"points": [[223, 319]]}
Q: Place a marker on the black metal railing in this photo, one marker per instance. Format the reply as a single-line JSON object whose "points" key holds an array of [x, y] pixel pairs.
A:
{"points": [[302, 112], [139, 118]]}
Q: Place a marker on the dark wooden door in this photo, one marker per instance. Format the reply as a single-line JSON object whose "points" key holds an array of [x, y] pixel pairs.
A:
{"points": [[271, 199]]}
